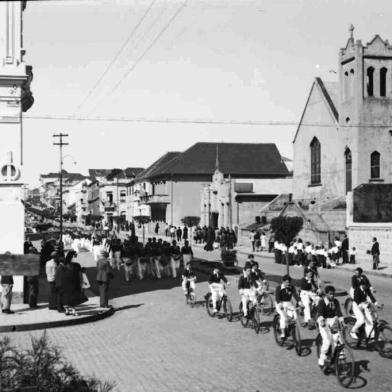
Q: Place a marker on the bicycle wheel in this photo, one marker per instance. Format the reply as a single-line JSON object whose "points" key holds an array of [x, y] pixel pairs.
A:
{"points": [[192, 299], [256, 319], [344, 365], [244, 320], [209, 306], [296, 335], [228, 309], [268, 304], [348, 306], [383, 341], [277, 332]]}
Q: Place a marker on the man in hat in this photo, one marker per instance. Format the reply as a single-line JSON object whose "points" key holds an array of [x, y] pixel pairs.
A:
{"points": [[104, 275], [50, 269]]}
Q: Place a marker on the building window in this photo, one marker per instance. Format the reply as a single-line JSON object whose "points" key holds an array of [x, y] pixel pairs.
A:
{"points": [[383, 82], [375, 165], [352, 81], [369, 84], [315, 161], [346, 85], [123, 195], [348, 160]]}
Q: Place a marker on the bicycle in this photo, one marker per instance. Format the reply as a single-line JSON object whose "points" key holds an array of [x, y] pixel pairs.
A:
{"points": [[339, 358], [190, 297], [379, 338], [292, 329], [223, 303], [253, 316]]}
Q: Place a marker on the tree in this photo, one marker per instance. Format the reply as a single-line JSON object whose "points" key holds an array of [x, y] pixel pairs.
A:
{"points": [[190, 221], [285, 229], [142, 220]]}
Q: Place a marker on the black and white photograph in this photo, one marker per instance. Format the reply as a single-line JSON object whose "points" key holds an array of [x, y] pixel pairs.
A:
{"points": [[195, 195]]}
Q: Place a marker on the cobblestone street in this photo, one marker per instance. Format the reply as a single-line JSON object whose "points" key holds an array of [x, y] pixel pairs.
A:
{"points": [[154, 342]]}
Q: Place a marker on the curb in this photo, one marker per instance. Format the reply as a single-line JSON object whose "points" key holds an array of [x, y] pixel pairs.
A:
{"points": [[368, 272], [56, 324]]}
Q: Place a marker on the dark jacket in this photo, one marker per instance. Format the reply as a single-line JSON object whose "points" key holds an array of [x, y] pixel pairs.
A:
{"points": [[7, 279], [375, 249], [104, 271]]}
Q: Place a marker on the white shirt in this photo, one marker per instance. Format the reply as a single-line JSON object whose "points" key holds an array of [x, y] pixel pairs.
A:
{"points": [[50, 268]]}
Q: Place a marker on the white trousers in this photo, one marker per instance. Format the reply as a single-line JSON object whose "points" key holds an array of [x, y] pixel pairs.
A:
{"points": [[363, 316], [247, 295], [306, 298], [217, 292], [175, 265], [328, 338], [287, 312]]}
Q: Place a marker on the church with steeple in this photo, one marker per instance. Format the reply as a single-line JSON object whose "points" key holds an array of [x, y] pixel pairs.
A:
{"points": [[343, 145]]}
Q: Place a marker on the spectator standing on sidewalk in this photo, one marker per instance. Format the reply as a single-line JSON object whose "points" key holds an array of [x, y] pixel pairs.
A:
{"points": [[252, 239], [33, 284], [375, 252], [263, 241], [345, 248], [7, 282], [104, 275], [179, 234], [50, 269]]}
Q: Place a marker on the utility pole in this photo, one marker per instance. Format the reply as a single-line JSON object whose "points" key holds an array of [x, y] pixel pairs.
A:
{"points": [[59, 142]]}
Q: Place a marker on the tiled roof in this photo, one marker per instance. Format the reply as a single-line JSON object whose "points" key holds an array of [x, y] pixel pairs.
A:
{"points": [[66, 176], [156, 168], [110, 174], [237, 159]]}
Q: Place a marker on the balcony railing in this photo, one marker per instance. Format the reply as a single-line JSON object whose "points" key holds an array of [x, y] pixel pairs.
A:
{"points": [[155, 199]]}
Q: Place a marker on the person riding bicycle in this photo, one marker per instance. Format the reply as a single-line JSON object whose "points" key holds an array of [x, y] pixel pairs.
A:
{"points": [[283, 295], [188, 279], [261, 283], [246, 287], [309, 292], [216, 284], [363, 297], [328, 314], [357, 279]]}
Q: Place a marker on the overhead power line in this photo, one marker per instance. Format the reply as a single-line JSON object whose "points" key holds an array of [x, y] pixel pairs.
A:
{"points": [[130, 36], [149, 47], [200, 121]]}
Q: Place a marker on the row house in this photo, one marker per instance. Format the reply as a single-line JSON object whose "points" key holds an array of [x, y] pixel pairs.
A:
{"points": [[108, 193]]}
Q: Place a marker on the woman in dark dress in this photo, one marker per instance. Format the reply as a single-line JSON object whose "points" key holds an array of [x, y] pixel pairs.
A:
{"points": [[72, 284]]}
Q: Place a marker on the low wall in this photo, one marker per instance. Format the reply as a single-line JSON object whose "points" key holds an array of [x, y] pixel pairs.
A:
{"points": [[361, 236]]}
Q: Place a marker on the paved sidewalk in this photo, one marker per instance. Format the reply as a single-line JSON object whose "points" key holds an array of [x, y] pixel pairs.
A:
{"points": [[27, 319]]}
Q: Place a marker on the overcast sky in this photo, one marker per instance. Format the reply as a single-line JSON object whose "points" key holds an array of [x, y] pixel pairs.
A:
{"points": [[219, 60]]}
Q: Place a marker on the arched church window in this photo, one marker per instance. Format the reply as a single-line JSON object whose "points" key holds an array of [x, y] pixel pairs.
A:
{"points": [[375, 165], [348, 162], [351, 82], [315, 161], [369, 82], [383, 82]]}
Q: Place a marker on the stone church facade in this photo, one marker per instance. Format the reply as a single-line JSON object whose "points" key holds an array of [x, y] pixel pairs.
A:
{"points": [[344, 140]]}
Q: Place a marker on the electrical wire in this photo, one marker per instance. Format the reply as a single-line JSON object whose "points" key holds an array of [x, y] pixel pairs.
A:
{"points": [[201, 121], [149, 47], [130, 36]]}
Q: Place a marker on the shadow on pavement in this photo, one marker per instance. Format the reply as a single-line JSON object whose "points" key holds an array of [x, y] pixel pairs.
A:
{"points": [[119, 287]]}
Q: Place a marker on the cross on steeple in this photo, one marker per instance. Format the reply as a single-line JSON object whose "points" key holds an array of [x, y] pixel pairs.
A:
{"points": [[351, 30]]}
